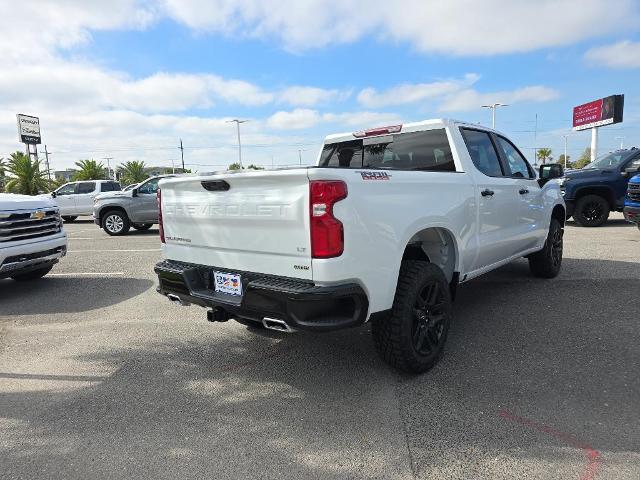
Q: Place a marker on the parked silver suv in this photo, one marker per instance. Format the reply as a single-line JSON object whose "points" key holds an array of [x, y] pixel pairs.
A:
{"points": [[117, 212]]}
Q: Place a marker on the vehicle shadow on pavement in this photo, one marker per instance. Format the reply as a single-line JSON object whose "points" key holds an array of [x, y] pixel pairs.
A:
{"points": [[200, 400], [67, 295]]}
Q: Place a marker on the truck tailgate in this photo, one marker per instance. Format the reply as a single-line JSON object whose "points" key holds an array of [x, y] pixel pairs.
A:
{"points": [[249, 221]]}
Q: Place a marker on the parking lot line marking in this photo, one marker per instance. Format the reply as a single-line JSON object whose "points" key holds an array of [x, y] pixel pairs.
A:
{"points": [[75, 274], [594, 458], [133, 250]]}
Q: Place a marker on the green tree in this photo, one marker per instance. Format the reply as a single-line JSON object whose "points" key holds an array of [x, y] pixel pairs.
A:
{"points": [[561, 160], [25, 176], [254, 167], [133, 172], [584, 159], [89, 170], [234, 166], [544, 155], [3, 177]]}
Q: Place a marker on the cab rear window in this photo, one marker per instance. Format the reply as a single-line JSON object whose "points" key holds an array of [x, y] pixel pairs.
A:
{"points": [[428, 150]]}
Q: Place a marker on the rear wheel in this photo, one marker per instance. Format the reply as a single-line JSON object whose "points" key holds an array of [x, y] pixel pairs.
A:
{"points": [[413, 337], [69, 219], [32, 275], [115, 222], [142, 226], [591, 211], [547, 262]]}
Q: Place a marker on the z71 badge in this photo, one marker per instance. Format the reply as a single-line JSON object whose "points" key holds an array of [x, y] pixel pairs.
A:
{"points": [[374, 175]]}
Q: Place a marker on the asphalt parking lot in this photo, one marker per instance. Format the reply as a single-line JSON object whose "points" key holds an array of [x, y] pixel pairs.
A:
{"points": [[100, 377]]}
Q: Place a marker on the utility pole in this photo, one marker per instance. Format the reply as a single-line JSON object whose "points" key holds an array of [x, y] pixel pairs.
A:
{"points": [[494, 107], [182, 155], [108, 159], [617, 138], [300, 156], [46, 156], [238, 122], [565, 150]]}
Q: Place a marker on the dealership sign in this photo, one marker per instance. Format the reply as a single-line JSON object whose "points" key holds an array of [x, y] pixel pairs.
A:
{"points": [[28, 129], [604, 111]]}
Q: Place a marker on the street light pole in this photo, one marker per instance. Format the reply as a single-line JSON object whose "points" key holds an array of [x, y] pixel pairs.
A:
{"points": [[238, 122], [565, 150], [493, 108], [617, 138], [46, 156]]}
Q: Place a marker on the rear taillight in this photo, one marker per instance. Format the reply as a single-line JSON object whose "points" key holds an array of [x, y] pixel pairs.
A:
{"points": [[327, 235], [160, 226]]}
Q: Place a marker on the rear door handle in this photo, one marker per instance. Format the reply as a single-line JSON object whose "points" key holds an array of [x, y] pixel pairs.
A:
{"points": [[523, 191], [487, 193]]}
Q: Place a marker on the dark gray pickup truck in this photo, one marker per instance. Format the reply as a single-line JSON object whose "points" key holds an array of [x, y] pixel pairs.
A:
{"points": [[117, 212]]}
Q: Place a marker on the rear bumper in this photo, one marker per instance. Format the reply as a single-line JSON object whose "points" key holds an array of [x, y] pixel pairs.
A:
{"points": [[300, 303], [27, 257], [632, 214]]}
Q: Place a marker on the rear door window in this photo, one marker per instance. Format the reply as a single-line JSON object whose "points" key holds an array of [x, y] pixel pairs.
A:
{"points": [[86, 187], [482, 152], [424, 151]]}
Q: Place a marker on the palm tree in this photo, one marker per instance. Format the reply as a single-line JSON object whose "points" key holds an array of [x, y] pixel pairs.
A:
{"points": [[133, 172], [25, 175], [89, 170], [544, 154], [3, 167]]}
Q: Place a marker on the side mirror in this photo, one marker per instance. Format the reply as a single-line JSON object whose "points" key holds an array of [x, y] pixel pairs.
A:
{"points": [[134, 192], [550, 171], [54, 194]]}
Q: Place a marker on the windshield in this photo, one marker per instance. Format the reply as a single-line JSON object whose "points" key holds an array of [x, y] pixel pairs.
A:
{"points": [[427, 150], [610, 160]]}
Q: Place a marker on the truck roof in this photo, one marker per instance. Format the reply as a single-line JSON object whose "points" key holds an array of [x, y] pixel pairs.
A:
{"points": [[406, 127]]}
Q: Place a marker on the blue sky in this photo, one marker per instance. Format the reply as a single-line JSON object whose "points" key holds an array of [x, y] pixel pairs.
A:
{"points": [[129, 79]]}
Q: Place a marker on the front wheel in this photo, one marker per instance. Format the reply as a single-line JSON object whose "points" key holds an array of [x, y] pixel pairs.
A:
{"points": [[115, 222], [591, 211], [547, 262], [412, 339], [32, 275]]}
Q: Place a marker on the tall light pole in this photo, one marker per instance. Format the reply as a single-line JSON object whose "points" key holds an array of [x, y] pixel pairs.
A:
{"points": [[494, 107], [617, 138], [108, 159], [565, 150], [238, 122], [46, 156]]}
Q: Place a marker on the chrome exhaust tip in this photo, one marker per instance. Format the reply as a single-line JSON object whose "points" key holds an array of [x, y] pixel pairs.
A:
{"points": [[276, 324], [177, 299]]}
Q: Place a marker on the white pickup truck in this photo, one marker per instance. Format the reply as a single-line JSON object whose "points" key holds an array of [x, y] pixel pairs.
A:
{"points": [[32, 239], [383, 229]]}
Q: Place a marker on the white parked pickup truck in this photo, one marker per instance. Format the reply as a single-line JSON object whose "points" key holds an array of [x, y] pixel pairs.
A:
{"points": [[383, 229], [32, 239]]}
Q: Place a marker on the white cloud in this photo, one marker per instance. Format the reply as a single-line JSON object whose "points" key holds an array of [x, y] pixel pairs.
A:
{"points": [[624, 54], [469, 99], [302, 118], [413, 92], [456, 27], [310, 96]]}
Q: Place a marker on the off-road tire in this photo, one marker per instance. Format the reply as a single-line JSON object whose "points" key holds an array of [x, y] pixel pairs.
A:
{"points": [[141, 227], [591, 211], [32, 275], [547, 262], [69, 218], [395, 337], [115, 227]]}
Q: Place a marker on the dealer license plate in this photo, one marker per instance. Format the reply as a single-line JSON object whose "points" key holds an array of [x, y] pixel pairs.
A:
{"points": [[227, 283]]}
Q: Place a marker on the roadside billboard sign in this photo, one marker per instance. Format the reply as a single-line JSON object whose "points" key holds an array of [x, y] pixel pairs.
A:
{"points": [[28, 129], [604, 111]]}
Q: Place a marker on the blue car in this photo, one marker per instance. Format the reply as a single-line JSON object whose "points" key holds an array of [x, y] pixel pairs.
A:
{"points": [[632, 201], [599, 188]]}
